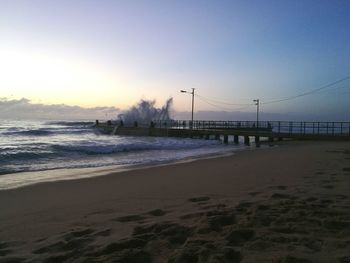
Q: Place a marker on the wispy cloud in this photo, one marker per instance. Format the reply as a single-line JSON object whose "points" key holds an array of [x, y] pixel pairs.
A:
{"points": [[24, 109]]}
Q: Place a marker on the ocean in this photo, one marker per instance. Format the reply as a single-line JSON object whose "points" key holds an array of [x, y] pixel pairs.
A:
{"points": [[38, 151]]}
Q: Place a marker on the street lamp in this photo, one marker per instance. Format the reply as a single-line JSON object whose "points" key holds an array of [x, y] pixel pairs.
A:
{"points": [[184, 91], [257, 112]]}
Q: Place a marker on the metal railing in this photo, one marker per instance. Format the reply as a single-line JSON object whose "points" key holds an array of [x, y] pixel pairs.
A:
{"points": [[276, 127], [279, 127]]}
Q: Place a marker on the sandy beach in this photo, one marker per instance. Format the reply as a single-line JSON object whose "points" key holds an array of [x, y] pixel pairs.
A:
{"points": [[288, 203]]}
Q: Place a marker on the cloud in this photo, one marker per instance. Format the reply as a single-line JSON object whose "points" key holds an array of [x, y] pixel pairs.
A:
{"points": [[24, 109]]}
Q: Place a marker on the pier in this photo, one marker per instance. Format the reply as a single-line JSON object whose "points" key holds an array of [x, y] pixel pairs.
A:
{"points": [[223, 130]]}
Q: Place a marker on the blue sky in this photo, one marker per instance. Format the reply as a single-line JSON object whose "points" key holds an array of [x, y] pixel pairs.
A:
{"points": [[113, 53]]}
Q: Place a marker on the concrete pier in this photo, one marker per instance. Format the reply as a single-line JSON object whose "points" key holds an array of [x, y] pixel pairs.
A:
{"points": [[219, 129], [225, 138], [246, 140], [257, 141]]}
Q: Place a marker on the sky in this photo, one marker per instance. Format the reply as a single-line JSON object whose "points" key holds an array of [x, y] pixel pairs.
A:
{"points": [[97, 54]]}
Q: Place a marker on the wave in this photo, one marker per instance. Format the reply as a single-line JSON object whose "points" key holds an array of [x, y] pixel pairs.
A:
{"points": [[37, 132], [25, 156], [71, 123], [49, 128], [27, 161], [107, 149], [49, 151], [136, 145], [34, 146], [47, 131]]}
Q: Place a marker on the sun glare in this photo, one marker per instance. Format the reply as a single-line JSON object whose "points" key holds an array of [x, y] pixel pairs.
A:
{"points": [[55, 79]]}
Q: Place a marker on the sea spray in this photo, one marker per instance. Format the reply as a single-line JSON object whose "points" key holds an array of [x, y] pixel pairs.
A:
{"points": [[145, 112]]}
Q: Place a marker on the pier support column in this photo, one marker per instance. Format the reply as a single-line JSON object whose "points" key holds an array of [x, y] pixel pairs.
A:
{"points": [[207, 136], [246, 140], [217, 137], [257, 141], [280, 139], [226, 139], [235, 139], [270, 139]]}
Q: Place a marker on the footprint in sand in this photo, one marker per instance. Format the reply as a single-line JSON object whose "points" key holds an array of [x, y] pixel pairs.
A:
{"points": [[290, 259], [279, 187], [218, 219], [205, 251], [346, 169], [132, 218], [173, 233], [328, 186], [129, 218], [336, 225], [311, 199], [280, 196], [103, 233], [254, 193], [239, 237], [199, 199], [4, 249], [124, 251], [78, 233], [341, 197], [157, 212], [70, 244], [114, 247], [326, 181], [244, 205]]}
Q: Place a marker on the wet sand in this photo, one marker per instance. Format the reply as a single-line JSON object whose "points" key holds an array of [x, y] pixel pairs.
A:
{"points": [[289, 203]]}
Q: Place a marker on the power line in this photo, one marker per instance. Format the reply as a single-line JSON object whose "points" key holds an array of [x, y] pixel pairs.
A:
{"points": [[338, 88], [215, 102], [221, 107], [308, 92], [223, 102]]}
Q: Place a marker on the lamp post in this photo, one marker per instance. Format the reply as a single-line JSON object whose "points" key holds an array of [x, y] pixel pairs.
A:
{"points": [[184, 91], [257, 112]]}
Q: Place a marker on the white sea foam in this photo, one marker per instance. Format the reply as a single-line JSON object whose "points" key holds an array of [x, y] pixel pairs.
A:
{"points": [[30, 157]]}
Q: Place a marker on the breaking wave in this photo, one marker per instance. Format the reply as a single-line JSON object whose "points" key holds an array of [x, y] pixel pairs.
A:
{"points": [[145, 112]]}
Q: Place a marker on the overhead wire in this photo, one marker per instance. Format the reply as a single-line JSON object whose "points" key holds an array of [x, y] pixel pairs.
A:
{"points": [[217, 103], [308, 92], [223, 102], [221, 107], [337, 88]]}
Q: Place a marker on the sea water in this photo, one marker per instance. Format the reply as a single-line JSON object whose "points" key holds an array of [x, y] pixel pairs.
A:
{"points": [[38, 151]]}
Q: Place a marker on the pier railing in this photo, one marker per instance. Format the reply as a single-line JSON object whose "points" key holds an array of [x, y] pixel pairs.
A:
{"points": [[283, 128], [277, 127]]}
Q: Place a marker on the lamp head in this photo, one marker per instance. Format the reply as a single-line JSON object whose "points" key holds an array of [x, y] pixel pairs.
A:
{"points": [[183, 91]]}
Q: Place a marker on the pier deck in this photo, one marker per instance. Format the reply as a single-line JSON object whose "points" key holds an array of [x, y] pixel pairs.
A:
{"points": [[223, 129]]}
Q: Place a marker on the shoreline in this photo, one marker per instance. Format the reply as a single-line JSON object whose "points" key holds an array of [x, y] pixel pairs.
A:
{"points": [[274, 204], [68, 174]]}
